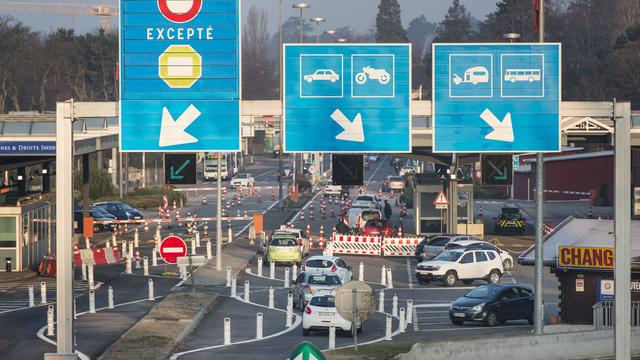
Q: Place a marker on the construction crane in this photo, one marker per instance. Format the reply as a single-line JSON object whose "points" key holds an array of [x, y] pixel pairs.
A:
{"points": [[105, 12]]}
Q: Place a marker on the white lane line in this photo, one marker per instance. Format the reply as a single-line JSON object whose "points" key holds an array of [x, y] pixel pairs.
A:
{"points": [[375, 172], [409, 274], [477, 328], [439, 305], [250, 272], [415, 319]]}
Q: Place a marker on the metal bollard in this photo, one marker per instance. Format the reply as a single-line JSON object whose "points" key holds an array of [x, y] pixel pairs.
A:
{"points": [[294, 271], [403, 323], [43, 292], [272, 270], [228, 276], [383, 276], [227, 331], [332, 337], [388, 330], [145, 265], [247, 293], [381, 302], [92, 301], [128, 266], [394, 306], [110, 298], [32, 301], [389, 279], [271, 298], [50, 320], [209, 256], [193, 246], [289, 310], [259, 325], [361, 272], [154, 258], [151, 294], [84, 272], [230, 234], [409, 311], [136, 238], [286, 278], [234, 286], [260, 261], [197, 238]]}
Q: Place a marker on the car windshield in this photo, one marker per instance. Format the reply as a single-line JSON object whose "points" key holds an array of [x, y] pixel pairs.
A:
{"points": [[364, 198], [242, 176], [449, 256], [123, 206], [370, 215], [323, 301], [395, 178], [323, 280], [483, 292], [511, 216], [319, 263], [374, 223], [284, 242]]}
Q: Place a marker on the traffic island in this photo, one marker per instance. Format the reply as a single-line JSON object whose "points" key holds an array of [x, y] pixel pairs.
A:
{"points": [[158, 334]]}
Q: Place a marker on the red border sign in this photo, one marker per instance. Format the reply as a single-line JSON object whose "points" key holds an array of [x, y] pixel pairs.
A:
{"points": [[196, 5], [171, 248]]}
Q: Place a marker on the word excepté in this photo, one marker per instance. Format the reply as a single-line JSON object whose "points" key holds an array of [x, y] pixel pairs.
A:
{"points": [[180, 33]]}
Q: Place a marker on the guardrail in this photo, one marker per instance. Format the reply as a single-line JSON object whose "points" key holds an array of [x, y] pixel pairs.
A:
{"points": [[604, 314]]}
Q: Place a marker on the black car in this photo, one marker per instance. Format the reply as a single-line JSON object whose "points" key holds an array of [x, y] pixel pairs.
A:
{"points": [[120, 210], [510, 221], [493, 304], [97, 216]]}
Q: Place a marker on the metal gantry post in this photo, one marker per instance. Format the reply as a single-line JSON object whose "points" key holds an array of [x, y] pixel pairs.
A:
{"points": [[622, 270], [219, 216], [280, 135]]}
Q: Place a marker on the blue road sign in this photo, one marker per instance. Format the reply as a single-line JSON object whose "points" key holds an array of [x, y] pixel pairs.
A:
{"points": [[496, 97], [180, 75], [347, 98]]}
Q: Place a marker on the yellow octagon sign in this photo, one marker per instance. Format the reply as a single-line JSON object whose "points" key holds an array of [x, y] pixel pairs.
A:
{"points": [[180, 66]]}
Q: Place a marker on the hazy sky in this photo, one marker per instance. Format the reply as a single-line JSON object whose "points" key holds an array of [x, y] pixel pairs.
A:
{"points": [[359, 14]]}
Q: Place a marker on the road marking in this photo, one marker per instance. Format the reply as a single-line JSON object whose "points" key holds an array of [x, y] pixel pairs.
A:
{"points": [[250, 272], [439, 305], [409, 274], [374, 173], [477, 328], [415, 319]]}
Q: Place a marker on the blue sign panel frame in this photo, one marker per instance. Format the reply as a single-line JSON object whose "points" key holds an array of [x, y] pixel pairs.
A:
{"points": [[347, 98], [496, 97], [180, 76]]}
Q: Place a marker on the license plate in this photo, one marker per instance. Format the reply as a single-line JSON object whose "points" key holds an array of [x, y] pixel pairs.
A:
{"points": [[325, 314], [459, 314]]}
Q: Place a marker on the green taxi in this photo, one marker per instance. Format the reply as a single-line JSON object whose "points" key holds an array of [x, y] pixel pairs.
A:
{"points": [[284, 247]]}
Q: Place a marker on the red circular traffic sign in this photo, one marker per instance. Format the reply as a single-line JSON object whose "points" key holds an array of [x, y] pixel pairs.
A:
{"points": [[180, 11], [171, 248]]}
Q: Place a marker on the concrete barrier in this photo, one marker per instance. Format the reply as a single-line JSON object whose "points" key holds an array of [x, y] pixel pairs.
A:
{"points": [[560, 346]]}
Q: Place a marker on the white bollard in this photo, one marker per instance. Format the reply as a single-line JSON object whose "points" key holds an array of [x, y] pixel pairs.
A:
{"points": [[75, 310], [87, 243], [289, 310], [197, 238], [332, 337], [260, 264], [394, 306], [234, 286], [90, 277], [183, 272], [228, 276], [389, 279], [403, 323], [92, 301], [383, 276], [193, 246], [151, 294], [43, 292], [130, 249], [114, 241], [388, 330], [230, 234], [110, 298], [227, 331], [381, 302], [286, 278], [107, 244], [84, 272], [154, 258], [128, 266], [32, 301], [409, 311], [272, 270], [157, 235], [145, 265], [361, 272], [50, 320], [259, 326], [136, 238], [271, 297], [247, 292], [209, 256], [294, 271]]}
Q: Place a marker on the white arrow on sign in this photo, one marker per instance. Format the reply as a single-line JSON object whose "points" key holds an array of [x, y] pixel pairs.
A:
{"points": [[173, 132], [353, 131], [502, 130]]}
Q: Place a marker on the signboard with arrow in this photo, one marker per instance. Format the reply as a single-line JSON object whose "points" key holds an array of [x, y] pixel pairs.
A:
{"points": [[496, 169], [306, 351], [180, 169]]}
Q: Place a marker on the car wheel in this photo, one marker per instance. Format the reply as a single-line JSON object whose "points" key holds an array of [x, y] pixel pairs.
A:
{"points": [[467, 281], [301, 303], [457, 322], [450, 278], [306, 332], [506, 264], [491, 320], [494, 277]]}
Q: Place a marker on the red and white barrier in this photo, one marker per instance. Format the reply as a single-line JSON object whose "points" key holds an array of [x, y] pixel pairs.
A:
{"points": [[96, 256], [400, 246], [357, 245]]}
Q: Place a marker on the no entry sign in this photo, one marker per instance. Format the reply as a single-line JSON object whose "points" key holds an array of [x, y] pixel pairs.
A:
{"points": [[171, 248], [180, 11]]}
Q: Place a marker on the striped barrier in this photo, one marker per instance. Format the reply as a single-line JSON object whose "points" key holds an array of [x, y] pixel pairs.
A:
{"points": [[357, 245], [96, 256], [400, 246]]}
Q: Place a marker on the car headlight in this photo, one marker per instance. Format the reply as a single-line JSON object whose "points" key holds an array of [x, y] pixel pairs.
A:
{"points": [[435, 268], [127, 213], [478, 307]]}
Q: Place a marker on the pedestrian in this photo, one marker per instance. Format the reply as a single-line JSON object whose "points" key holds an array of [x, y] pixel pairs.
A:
{"points": [[341, 226], [387, 210]]}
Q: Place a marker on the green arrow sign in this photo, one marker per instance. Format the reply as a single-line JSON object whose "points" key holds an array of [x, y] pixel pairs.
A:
{"points": [[306, 351], [175, 175], [503, 174]]}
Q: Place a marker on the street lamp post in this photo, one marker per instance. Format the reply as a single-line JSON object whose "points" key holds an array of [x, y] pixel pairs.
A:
{"points": [[280, 135], [318, 20], [301, 6], [341, 40]]}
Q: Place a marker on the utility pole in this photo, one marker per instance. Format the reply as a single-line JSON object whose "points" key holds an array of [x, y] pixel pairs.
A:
{"points": [[452, 212], [539, 255], [219, 214], [280, 135]]}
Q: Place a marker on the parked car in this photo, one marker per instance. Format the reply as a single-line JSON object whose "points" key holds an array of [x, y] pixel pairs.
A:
{"points": [[308, 284], [357, 217], [366, 201], [378, 227], [393, 183], [120, 210], [431, 247], [461, 264], [321, 313], [332, 190], [242, 180], [507, 259], [407, 170], [97, 216], [328, 264], [493, 304], [510, 220], [284, 247]]}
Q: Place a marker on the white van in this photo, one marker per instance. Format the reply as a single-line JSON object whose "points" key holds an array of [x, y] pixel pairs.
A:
{"points": [[357, 217]]}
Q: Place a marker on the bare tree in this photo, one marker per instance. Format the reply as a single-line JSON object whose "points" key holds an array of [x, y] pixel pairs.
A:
{"points": [[257, 70]]}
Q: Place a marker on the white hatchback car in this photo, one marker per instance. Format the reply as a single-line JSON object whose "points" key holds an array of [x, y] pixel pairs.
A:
{"points": [[325, 264], [507, 259], [321, 313], [243, 180], [461, 264], [330, 189], [366, 201]]}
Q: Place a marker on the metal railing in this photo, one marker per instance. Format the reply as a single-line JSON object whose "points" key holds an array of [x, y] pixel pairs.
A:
{"points": [[604, 314]]}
